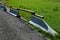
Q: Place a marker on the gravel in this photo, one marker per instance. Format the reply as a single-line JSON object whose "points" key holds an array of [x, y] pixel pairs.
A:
{"points": [[12, 28]]}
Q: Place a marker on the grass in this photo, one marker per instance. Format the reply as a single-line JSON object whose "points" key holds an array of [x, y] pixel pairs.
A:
{"points": [[27, 15], [50, 9]]}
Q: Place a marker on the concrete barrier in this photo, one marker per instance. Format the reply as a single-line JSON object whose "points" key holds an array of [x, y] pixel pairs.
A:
{"points": [[2, 7], [12, 11], [42, 24]]}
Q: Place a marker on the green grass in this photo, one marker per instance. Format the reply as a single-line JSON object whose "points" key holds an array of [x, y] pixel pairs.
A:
{"points": [[25, 15], [50, 9]]}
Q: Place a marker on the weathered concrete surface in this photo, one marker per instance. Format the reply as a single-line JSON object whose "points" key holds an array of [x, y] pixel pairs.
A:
{"points": [[11, 28]]}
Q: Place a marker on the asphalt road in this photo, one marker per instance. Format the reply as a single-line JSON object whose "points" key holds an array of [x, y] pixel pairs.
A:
{"points": [[12, 28]]}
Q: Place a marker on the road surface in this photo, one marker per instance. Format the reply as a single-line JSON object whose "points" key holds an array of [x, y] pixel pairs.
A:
{"points": [[12, 28]]}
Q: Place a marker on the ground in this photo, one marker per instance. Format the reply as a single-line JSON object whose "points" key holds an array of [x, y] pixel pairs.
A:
{"points": [[12, 28]]}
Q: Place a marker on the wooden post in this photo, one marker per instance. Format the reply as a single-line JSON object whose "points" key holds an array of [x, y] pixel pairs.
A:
{"points": [[39, 16]]}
